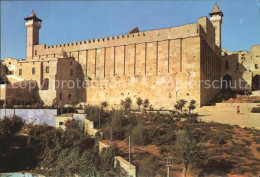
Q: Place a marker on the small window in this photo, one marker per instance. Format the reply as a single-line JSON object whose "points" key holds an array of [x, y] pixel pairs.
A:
{"points": [[60, 96], [71, 63], [71, 72], [47, 69], [33, 71], [61, 123], [20, 72], [226, 64], [9, 63], [69, 96], [256, 66], [35, 52]]}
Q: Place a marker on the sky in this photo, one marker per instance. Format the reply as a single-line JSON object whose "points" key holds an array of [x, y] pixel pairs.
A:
{"points": [[70, 21]]}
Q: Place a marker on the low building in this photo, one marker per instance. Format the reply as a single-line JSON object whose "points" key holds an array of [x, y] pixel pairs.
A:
{"points": [[241, 69], [61, 120]]}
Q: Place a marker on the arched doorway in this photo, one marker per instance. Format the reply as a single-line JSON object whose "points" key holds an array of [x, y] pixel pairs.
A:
{"points": [[256, 83], [227, 82], [45, 84]]}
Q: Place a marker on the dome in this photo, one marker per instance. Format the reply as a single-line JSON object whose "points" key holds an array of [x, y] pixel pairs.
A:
{"points": [[62, 54]]}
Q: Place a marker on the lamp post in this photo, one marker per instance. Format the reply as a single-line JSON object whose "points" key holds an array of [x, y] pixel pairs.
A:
{"points": [[168, 163], [129, 150]]}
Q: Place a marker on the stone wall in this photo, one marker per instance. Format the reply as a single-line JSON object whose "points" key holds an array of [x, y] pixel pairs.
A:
{"points": [[128, 167], [129, 65]]}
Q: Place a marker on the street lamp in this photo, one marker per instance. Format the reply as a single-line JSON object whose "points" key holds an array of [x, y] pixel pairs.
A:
{"points": [[168, 161]]}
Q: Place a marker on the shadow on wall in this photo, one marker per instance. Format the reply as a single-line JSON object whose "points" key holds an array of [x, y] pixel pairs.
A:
{"points": [[22, 95]]}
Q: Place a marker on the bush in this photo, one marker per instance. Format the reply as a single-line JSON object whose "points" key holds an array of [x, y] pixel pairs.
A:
{"points": [[255, 110], [257, 140], [138, 134], [248, 143], [219, 138], [11, 125]]}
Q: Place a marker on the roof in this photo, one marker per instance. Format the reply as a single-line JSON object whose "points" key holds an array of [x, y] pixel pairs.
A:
{"points": [[216, 10], [134, 30], [33, 17]]}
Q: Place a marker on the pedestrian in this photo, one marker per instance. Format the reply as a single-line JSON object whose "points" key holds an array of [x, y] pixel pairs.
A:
{"points": [[238, 110]]}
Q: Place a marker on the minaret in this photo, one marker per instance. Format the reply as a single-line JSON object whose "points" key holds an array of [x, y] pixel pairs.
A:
{"points": [[216, 19], [33, 25]]}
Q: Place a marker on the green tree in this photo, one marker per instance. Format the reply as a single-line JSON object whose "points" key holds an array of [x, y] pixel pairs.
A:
{"points": [[9, 126], [139, 102], [180, 104], [191, 151], [146, 103], [126, 103], [106, 162], [192, 105]]}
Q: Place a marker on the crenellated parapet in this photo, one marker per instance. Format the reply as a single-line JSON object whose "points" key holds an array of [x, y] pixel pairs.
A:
{"points": [[183, 31]]}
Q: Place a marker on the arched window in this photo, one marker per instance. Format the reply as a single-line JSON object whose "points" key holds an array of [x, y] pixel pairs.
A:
{"points": [[33, 70]]}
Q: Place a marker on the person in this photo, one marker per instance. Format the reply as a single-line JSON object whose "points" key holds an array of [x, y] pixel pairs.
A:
{"points": [[151, 107], [238, 110], [144, 112]]}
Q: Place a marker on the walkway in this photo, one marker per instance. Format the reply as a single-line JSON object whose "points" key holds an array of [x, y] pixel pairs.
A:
{"points": [[226, 113]]}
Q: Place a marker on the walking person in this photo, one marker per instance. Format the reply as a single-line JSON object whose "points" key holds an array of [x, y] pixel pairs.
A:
{"points": [[238, 110]]}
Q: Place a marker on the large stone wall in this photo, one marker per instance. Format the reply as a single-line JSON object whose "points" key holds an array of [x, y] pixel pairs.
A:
{"points": [[153, 60]]}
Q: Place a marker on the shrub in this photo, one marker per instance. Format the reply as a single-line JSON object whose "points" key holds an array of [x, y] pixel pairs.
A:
{"points": [[138, 134], [248, 143], [255, 110], [257, 140], [219, 138]]}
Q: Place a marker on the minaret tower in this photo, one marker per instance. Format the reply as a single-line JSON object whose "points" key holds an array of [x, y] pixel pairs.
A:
{"points": [[33, 25], [216, 19]]}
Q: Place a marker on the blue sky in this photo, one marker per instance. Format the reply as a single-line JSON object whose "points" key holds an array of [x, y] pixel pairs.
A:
{"points": [[67, 21]]}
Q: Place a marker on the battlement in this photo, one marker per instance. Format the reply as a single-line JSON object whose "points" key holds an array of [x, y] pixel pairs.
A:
{"points": [[96, 40], [183, 31]]}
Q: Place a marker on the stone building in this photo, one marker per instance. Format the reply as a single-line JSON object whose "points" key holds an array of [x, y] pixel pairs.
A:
{"points": [[163, 65], [241, 68]]}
